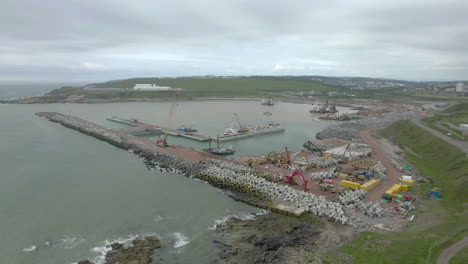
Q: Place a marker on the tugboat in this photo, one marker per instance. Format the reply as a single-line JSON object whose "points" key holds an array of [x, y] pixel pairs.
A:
{"points": [[218, 150], [186, 129]]}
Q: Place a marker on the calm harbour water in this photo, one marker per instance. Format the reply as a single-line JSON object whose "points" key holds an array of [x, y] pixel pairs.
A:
{"points": [[73, 192]]}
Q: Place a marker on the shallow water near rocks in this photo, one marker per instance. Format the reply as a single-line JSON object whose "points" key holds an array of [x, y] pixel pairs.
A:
{"points": [[64, 194]]}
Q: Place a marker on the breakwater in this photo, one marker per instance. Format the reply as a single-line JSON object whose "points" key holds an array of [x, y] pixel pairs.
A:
{"points": [[259, 188]]}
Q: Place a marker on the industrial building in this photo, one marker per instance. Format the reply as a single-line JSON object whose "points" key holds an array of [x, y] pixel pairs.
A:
{"points": [[150, 87]]}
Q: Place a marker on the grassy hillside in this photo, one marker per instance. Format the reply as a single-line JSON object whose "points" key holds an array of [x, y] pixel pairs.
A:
{"points": [[219, 86], [437, 223]]}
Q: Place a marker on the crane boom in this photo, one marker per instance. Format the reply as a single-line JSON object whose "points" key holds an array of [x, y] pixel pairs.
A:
{"points": [[238, 121], [242, 129]]}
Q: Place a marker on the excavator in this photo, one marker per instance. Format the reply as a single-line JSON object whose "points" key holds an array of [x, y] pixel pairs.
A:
{"points": [[289, 178]]}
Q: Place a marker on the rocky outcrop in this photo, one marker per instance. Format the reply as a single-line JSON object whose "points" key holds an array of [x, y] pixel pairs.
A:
{"points": [[140, 252]]}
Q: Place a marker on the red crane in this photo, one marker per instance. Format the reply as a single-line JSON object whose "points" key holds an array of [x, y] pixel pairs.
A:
{"points": [[289, 178]]}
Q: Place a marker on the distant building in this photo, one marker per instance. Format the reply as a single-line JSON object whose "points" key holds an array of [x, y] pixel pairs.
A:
{"points": [[150, 87], [459, 88]]}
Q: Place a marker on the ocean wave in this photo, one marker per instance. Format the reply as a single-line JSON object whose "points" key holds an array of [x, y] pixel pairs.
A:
{"points": [[29, 249], [222, 221], [181, 240]]}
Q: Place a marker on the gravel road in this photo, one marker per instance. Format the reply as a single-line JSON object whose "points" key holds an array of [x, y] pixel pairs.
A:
{"points": [[445, 256]]}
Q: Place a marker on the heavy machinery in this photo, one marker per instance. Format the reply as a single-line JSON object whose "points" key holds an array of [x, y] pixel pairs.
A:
{"points": [[162, 142], [327, 187], [312, 147], [242, 129], [289, 178]]}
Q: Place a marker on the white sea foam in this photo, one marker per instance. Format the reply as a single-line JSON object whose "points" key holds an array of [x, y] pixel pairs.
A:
{"points": [[70, 242], [105, 246], [181, 240], [158, 218], [222, 221], [29, 249]]}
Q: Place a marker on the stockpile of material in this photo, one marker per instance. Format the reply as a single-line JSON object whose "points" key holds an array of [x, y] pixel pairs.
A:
{"points": [[319, 162], [321, 175], [379, 170], [86, 127], [350, 152], [242, 169], [355, 197], [252, 185]]}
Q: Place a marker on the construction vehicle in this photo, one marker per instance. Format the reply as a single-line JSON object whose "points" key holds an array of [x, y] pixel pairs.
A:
{"points": [[162, 142], [312, 147], [327, 187], [242, 129], [289, 178]]}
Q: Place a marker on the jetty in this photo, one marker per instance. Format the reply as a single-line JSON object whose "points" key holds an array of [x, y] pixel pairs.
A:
{"points": [[217, 171], [138, 128]]}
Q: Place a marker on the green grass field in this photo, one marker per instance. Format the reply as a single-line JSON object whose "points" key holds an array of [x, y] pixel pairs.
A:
{"points": [[438, 223], [223, 87]]}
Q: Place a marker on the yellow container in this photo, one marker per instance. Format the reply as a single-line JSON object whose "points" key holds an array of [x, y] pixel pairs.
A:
{"points": [[407, 182], [350, 184], [370, 185], [396, 189], [405, 188]]}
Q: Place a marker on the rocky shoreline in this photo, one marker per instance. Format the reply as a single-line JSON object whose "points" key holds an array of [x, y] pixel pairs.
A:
{"points": [[277, 239], [139, 252]]}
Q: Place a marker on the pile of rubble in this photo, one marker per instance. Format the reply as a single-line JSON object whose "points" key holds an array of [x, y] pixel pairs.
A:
{"points": [[355, 198]]}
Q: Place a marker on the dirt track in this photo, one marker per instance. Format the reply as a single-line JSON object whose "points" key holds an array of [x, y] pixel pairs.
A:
{"points": [[393, 174], [445, 256], [462, 145]]}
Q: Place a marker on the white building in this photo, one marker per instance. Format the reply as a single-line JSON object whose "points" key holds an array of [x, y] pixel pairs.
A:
{"points": [[150, 87], [459, 88]]}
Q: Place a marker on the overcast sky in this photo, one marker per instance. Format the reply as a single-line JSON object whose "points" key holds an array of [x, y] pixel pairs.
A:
{"points": [[91, 40]]}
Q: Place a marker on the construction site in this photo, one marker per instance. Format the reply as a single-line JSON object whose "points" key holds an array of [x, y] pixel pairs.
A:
{"points": [[353, 180]]}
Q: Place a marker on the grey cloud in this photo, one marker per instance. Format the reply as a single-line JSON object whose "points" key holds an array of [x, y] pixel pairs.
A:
{"points": [[395, 39]]}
